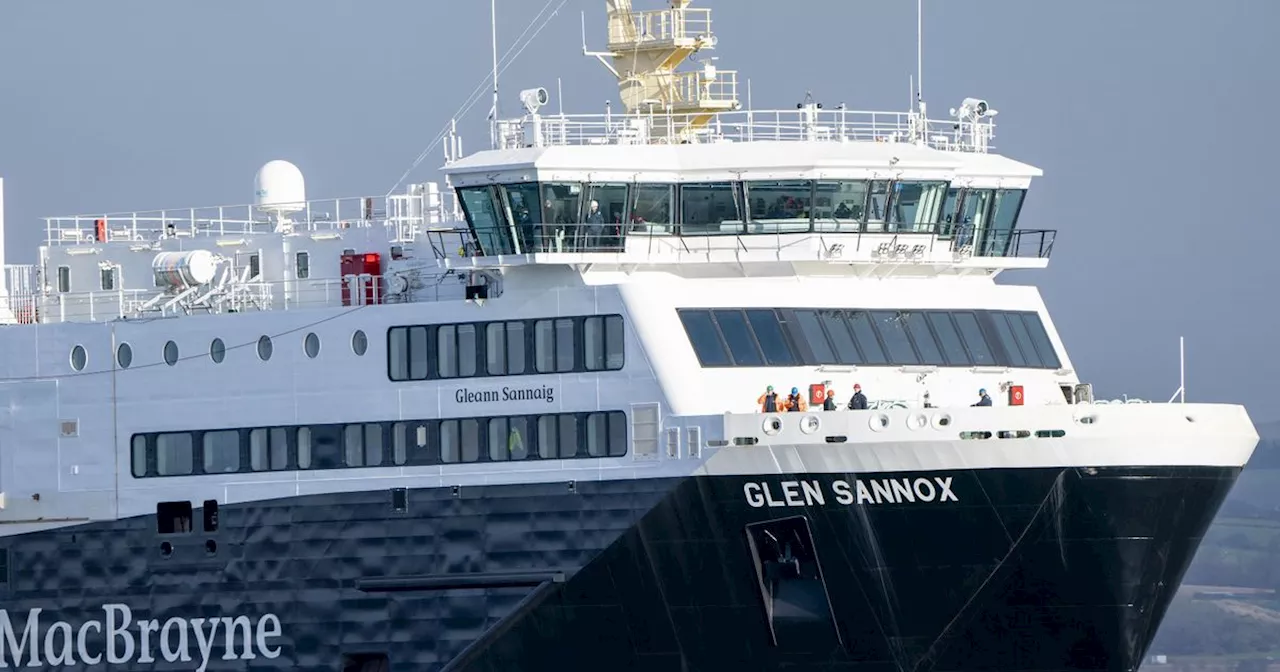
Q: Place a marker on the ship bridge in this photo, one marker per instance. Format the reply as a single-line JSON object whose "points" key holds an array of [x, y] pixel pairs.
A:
{"points": [[833, 187]]}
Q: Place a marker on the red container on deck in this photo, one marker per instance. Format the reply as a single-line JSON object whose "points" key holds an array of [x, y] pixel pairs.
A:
{"points": [[817, 395], [100, 230], [353, 267], [1015, 395]]}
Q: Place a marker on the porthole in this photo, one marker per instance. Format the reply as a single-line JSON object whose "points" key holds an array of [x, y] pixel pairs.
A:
{"points": [[772, 425], [264, 348], [917, 421], [124, 355], [941, 420], [810, 424], [359, 343], [879, 422], [311, 344], [170, 353], [79, 358], [217, 351]]}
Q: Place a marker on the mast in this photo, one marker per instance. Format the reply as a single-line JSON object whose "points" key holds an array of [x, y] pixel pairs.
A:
{"points": [[493, 27]]}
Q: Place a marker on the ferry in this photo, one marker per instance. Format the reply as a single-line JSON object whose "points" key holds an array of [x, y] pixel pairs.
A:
{"points": [[520, 419]]}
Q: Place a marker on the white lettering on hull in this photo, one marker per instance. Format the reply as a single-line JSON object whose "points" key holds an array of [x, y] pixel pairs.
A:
{"points": [[113, 641], [879, 491]]}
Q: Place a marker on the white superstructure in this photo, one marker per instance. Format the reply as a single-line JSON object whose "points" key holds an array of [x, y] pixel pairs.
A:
{"points": [[669, 261]]}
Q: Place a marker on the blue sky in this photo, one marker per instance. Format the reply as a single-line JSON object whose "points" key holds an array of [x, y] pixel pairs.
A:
{"points": [[1150, 118]]}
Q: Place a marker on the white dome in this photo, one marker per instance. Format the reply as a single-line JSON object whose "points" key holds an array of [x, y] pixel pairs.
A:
{"points": [[279, 187]]}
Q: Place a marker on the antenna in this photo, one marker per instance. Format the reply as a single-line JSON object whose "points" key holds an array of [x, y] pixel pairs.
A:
{"points": [[493, 26], [920, 51]]}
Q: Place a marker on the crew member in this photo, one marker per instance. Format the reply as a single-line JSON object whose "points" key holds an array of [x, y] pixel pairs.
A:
{"points": [[983, 399], [859, 400], [795, 402], [768, 401], [828, 398]]}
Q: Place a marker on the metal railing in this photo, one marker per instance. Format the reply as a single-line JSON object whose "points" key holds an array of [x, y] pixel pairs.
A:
{"points": [[698, 88], [807, 124], [408, 214], [674, 26], [1018, 244]]}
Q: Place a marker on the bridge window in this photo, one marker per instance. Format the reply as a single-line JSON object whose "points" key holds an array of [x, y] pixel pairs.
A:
{"points": [[877, 205], [996, 238], [222, 452], [562, 203], [839, 206], [813, 337], [780, 206], [526, 212], [711, 209], [487, 223], [601, 229], [651, 207], [268, 449], [917, 206]]}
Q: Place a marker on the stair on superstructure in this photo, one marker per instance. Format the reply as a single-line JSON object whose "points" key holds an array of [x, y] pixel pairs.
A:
{"points": [[647, 47]]}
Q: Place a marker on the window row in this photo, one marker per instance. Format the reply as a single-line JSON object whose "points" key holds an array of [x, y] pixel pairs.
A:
{"points": [[381, 444], [574, 216], [264, 347], [512, 348], [109, 274], [809, 337]]}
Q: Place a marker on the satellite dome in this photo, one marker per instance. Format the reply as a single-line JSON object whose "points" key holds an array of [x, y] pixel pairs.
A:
{"points": [[279, 187]]}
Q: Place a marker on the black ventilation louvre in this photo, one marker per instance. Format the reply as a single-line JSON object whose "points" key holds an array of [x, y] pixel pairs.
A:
{"points": [[794, 595]]}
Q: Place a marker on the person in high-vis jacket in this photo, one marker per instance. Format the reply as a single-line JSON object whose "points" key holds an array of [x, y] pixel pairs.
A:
{"points": [[795, 402], [768, 401]]}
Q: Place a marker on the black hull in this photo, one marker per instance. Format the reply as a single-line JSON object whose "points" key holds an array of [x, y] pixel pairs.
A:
{"points": [[1028, 569]]}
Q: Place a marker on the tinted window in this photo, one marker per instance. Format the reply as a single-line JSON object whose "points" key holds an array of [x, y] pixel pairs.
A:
{"points": [[1013, 356], [834, 324], [893, 329], [923, 339], [1022, 338], [736, 334], [710, 209], [704, 337], [1040, 337], [952, 347], [820, 350], [447, 351], [974, 340], [860, 323], [268, 449], [222, 452], [174, 454], [777, 352]]}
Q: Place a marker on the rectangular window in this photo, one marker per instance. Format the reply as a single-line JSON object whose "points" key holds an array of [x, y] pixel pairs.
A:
{"points": [[815, 338], [554, 345], [221, 452], [742, 345], [773, 342], [504, 348], [362, 445], [893, 329], [108, 279], [269, 449], [410, 443], [705, 338], [780, 206], [508, 439], [407, 353], [1022, 338], [711, 209], [917, 206], [526, 212], [1008, 352], [974, 339], [64, 279], [302, 265], [447, 351], [873, 352], [606, 434], [139, 455], [174, 454], [923, 339], [953, 350], [836, 325], [255, 266], [602, 343], [322, 445], [651, 208]]}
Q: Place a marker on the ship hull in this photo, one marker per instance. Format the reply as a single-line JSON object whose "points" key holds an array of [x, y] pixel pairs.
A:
{"points": [[995, 569]]}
